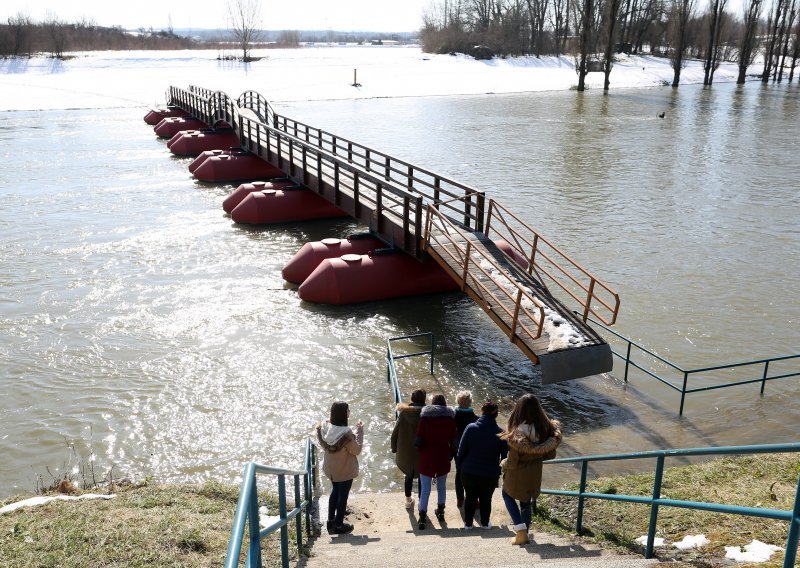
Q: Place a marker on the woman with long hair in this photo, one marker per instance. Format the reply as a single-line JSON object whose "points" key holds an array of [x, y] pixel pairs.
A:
{"points": [[532, 437], [404, 435], [341, 446]]}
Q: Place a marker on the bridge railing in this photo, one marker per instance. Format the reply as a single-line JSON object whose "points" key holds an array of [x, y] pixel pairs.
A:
{"points": [[259, 105], [715, 377], [655, 500], [547, 260], [247, 510], [456, 199], [316, 167], [392, 358], [481, 274]]}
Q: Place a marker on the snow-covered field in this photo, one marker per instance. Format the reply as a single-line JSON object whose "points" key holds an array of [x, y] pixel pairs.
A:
{"points": [[139, 78]]}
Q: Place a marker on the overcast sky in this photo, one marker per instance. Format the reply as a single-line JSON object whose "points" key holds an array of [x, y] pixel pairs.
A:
{"points": [[340, 15]]}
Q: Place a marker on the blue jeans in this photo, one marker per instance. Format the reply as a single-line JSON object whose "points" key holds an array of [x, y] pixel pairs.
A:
{"points": [[337, 502], [425, 490], [519, 513]]}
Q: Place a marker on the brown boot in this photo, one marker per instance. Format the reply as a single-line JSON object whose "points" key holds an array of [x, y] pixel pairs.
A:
{"points": [[522, 535]]}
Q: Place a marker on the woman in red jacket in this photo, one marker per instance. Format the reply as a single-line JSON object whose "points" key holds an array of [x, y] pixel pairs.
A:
{"points": [[437, 440]]}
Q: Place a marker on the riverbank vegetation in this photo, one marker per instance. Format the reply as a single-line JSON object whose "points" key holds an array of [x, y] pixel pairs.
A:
{"points": [[592, 31], [143, 525], [189, 525], [768, 482]]}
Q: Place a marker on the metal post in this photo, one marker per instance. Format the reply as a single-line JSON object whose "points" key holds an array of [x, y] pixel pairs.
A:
{"points": [[307, 493], [282, 513], [299, 518], [254, 550], [433, 347], [651, 530], [764, 376], [794, 532], [581, 490], [683, 391], [627, 361]]}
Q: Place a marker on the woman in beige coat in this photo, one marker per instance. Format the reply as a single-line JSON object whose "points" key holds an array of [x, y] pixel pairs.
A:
{"points": [[341, 446], [532, 437]]}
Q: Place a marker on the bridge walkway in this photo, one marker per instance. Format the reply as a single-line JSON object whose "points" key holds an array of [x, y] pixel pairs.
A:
{"points": [[423, 213]]}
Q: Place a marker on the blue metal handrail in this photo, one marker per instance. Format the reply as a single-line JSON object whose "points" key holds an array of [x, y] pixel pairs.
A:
{"points": [[247, 510], [793, 516], [391, 368], [686, 373]]}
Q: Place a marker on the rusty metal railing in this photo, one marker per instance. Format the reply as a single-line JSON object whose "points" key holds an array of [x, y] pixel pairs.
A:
{"points": [[547, 260], [482, 277]]}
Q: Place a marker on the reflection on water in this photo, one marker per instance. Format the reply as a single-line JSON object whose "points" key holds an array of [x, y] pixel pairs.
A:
{"points": [[137, 322]]}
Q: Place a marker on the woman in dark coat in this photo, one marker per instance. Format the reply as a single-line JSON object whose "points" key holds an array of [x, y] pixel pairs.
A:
{"points": [[479, 455], [403, 438], [464, 417], [437, 439], [532, 437]]}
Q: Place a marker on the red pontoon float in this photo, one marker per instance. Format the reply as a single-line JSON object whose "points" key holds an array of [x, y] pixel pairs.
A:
{"points": [[355, 278], [311, 254], [156, 115], [283, 206], [171, 125], [234, 167], [194, 142], [246, 189]]}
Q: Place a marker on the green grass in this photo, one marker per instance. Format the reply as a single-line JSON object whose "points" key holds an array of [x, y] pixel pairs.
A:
{"points": [[144, 525], [750, 481]]}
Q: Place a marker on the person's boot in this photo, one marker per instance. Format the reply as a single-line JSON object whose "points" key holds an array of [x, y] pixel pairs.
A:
{"points": [[522, 535], [423, 520], [330, 525], [440, 512], [344, 528]]}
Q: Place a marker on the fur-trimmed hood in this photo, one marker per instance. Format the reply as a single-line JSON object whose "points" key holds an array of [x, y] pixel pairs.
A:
{"points": [[437, 411], [522, 444], [412, 408], [333, 438]]}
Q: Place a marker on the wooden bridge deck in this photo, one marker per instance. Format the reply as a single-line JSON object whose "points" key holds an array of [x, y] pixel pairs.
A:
{"points": [[422, 213]]}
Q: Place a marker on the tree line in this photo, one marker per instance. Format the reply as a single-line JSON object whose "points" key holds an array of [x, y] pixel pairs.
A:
{"points": [[20, 35], [592, 32]]}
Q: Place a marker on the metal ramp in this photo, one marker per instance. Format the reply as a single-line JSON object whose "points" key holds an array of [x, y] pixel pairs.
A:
{"points": [[423, 213], [512, 290]]}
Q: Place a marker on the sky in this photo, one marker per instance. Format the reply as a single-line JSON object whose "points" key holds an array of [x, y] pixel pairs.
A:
{"points": [[337, 15]]}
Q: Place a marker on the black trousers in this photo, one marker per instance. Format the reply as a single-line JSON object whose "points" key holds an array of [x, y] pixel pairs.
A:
{"points": [[478, 487]]}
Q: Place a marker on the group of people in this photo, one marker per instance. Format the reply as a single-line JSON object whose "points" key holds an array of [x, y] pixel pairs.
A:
{"points": [[425, 440]]}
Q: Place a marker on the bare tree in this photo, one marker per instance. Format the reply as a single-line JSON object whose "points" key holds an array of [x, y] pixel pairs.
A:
{"points": [[611, 16], [716, 13], [795, 51], [21, 27], [560, 21], [244, 17], [681, 11], [773, 26], [788, 22], [747, 45], [56, 33], [585, 22], [537, 11]]}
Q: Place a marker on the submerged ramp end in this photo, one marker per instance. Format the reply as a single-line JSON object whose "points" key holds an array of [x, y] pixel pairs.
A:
{"points": [[569, 364]]}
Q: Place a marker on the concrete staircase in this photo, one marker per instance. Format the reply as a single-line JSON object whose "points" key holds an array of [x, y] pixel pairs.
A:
{"points": [[386, 535]]}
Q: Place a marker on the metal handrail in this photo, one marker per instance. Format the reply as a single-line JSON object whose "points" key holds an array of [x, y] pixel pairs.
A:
{"points": [[522, 301], [530, 244], [247, 510], [656, 501], [414, 179], [391, 368], [683, 388]]}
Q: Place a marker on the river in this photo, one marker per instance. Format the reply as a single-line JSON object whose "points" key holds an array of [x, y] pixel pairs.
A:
{"points": [[142, 332]]}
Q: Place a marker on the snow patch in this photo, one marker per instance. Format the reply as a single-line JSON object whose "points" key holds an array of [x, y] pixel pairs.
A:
{"points": [[692, 541], [35, 501], [656, 541], [756, 551]]}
